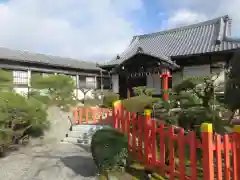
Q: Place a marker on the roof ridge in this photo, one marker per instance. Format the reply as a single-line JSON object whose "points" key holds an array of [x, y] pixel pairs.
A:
{"points": [[46, 55], [203, 23]]}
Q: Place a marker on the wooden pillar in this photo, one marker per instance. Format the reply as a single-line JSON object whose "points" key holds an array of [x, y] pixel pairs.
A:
{"points": [[165, 77], [147, 135], [236, 152], [207, 146]]}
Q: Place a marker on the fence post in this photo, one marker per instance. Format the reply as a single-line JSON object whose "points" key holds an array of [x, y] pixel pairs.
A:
{"points": [[236, 153], [147, 134], [117, 111], [207, 150]]}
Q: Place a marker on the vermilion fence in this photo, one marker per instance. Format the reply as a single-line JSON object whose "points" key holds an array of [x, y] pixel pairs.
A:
{"points": [[92, 115], [174, 153]]}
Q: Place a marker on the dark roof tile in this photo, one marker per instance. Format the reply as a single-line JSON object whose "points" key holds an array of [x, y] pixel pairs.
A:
{"points": [[25, 56], [188, 40]]}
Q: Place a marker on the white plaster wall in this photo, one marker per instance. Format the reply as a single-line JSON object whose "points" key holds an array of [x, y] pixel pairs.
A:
{"points": [[154, 81], [176, 78], [79, 94], [21, 90], [200, 70], [221, 76], [115, 83]]}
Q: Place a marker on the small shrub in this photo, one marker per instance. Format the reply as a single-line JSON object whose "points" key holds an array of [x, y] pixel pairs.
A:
{"points": [[109, 149], [139, 103]]}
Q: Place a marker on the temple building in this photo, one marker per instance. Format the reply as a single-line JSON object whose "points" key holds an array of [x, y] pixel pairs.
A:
{"points": [[162, 59], [24, 64]]}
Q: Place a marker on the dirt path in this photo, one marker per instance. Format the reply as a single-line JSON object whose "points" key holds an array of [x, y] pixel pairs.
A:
{"points": [[53, 161], [48, 159]]}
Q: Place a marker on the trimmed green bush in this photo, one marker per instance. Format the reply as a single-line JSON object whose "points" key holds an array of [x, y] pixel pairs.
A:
{"points": [[138, 103], [109, 149], [19, 116], [109, 98]]}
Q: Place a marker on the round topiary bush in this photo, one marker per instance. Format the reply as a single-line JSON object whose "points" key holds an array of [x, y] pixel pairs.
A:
{"points": [[109, 150]]}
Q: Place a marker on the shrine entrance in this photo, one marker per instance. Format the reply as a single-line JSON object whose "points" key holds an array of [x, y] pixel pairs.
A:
{"points": [[133, 72], [135, 82]]}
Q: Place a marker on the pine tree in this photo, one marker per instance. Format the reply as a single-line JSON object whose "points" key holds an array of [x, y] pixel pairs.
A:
{"points": [[232, 91]]}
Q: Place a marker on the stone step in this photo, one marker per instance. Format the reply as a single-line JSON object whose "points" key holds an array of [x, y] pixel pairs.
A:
{"points": [[81, 127], [75, 134], [72, 140], [81, 134], [86, 127]]}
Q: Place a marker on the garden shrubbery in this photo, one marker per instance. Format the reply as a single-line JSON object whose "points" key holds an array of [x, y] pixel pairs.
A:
{"points": [[142, 99], [54, 90], [109, 98], [109, 150], [21, 116]]}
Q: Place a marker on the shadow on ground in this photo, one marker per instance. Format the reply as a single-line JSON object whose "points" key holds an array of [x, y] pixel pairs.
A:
{"points": [[81, 165]]}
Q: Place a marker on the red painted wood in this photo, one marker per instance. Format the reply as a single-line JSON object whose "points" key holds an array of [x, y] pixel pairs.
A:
{"points": [[134, 121], [154, 143], [140, 137], [162, 144], [86, 113], [207, 145], [219, 174], [129, 131], [226, 157], [193, 157], [171, 153], [144, 131], [181, 154], [76, 116], [234, 151]]}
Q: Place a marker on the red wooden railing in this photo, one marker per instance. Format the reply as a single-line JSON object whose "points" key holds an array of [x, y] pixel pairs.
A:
{"points": [[162, 148], [92, 115]]}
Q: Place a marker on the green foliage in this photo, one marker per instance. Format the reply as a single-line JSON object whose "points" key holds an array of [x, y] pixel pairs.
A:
{"points": [[40, 96], [138, 103], [59, 89], [232, 88], [191, 103], [109, 98], [142, 99], [142, 90], [20, 115], [109, 149], [6, 79]]}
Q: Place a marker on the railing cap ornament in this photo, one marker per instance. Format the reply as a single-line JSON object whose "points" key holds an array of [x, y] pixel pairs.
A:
{"points": [[206, 127], [115, 103]]}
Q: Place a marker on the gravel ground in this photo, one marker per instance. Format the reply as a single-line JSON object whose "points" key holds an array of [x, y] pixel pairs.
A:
{"points": [[48, 159]]}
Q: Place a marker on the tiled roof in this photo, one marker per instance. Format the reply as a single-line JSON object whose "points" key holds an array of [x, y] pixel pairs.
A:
{"points": [[25, 56], [204, 37]]}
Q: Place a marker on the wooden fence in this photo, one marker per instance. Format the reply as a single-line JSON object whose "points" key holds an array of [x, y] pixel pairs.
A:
{"points": [[92, 115], [174, 153]]}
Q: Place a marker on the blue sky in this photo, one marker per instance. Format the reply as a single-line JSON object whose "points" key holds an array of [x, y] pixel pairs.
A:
{"points": [[150, 19], [97, 30]]}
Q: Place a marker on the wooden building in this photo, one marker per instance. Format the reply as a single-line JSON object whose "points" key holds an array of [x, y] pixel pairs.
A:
{"points": [[23, 64], [195, 50]]}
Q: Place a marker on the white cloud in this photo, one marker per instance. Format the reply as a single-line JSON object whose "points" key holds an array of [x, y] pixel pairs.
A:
{"points": [[184, 17], [85, 29], [188, 11]]}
